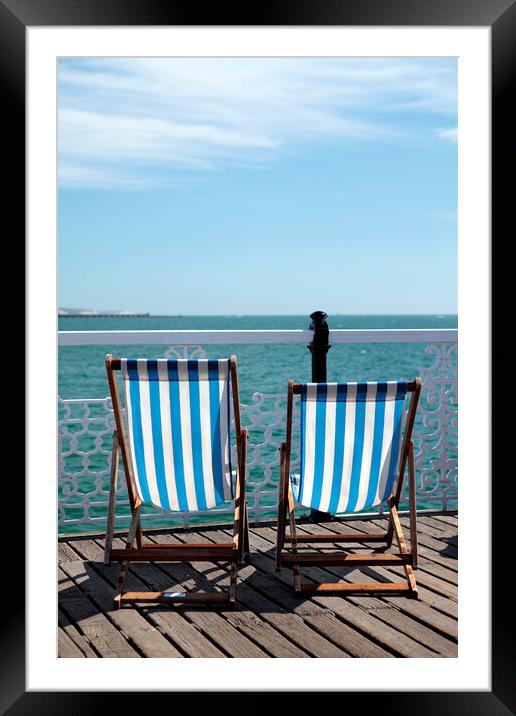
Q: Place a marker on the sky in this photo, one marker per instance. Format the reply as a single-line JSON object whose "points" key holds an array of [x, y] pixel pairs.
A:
{"points": [[258, 186]]}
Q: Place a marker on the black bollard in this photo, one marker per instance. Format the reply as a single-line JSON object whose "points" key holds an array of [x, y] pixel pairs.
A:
{"points": [[319, 347]]}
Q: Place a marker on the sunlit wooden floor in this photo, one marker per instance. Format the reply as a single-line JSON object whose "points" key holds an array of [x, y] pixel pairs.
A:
{"points": [[270, 620]]}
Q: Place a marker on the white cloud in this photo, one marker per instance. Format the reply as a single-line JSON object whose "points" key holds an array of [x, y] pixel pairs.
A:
{"points": [[451, 134], [123, 120]]}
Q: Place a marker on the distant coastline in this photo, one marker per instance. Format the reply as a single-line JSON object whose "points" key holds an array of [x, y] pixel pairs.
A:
{"points": [[89, 313]]}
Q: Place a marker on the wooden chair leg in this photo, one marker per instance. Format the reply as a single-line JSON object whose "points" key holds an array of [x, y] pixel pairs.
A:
{"points": [[413, 510], [112, 498], [124, 567], [240, 527], [282, 509], [122, 576], [246, 532], [390, 533], [409, 572], [134, 526], [295, 568], [233, 583]]}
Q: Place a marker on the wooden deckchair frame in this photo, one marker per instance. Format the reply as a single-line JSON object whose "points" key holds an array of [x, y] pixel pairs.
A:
{"points": [[232, 551], [294, 559]]}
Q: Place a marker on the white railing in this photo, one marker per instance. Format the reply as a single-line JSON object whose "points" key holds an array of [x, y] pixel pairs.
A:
{"points": [[86, 425], [196, 338]]}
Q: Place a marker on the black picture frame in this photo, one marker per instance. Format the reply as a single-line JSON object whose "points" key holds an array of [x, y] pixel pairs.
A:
{"points": [[500, 16]]}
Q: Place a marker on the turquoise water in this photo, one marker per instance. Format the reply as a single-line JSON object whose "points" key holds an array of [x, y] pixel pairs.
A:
{"points": [[261, 368]]}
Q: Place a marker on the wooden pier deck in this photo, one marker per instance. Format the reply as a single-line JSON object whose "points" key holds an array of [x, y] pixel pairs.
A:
{"points": [[270, 620]]}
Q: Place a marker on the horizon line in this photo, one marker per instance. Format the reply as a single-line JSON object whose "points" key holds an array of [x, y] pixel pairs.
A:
{"points": [[147, 314]]}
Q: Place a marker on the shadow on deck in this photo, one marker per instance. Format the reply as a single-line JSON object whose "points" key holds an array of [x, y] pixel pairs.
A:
{"points": [[270, 620]]}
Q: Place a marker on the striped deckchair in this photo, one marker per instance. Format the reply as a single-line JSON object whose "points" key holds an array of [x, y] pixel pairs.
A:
{"points": [[352, 458], [175, 449]]}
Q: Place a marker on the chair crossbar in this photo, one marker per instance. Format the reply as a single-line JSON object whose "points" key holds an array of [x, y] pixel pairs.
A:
{"points": [[189, 545], [344, 560], [359, 588], [175, 597], [338, 538], [174, 555]]}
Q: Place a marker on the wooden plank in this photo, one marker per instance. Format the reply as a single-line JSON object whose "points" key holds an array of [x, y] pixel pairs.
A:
{"points": [[295, 628], [267, 583], [446, 528], [355, 617], [437, 602], [429, 558], [433, 583], [418, 631], [409, 627], [285, 622], [438, 570], [436, 551], [425, 614], [100, 632], [134, 627], [413, 625], [182, 634], [66, 648], [225, 635], [375, 629], [447, 606], [65, 553], [78, 639], [208, 621], [432, 600], [358, 619], [428, 575], [448, 519], [438, 565], [271, 616], [345, 636], [260, 629], [450, 540], [271, 640]]}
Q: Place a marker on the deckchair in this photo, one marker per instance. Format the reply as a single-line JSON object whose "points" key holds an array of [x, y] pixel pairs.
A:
{"points": [[350, 461], [176, 455]]}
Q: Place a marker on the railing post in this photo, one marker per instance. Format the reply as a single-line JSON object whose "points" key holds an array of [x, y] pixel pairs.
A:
{"points": [[319, 347]]}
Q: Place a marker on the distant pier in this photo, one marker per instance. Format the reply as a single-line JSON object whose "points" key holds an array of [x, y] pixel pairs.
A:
{"points": [[102, 315]]}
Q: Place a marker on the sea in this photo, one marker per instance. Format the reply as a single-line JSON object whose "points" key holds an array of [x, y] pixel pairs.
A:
{"points": [[261, 369]]}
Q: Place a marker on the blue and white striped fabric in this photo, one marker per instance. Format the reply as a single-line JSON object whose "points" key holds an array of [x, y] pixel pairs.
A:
{"points": [[179, 424], [350, 444]]}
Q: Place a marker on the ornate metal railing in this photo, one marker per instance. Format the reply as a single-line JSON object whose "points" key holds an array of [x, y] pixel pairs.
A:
{"points": [[86, 425]]}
